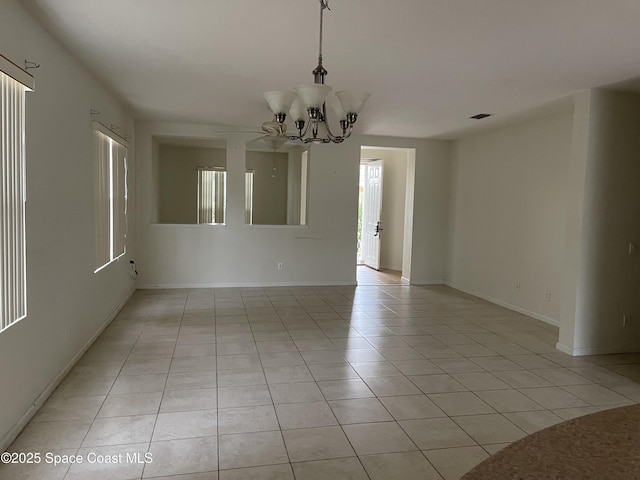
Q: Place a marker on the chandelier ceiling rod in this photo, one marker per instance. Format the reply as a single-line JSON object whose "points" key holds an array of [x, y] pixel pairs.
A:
{"points": [[320, 69]]}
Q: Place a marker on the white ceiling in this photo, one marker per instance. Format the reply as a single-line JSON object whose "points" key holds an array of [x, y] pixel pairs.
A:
{"points": [[428, 64]]}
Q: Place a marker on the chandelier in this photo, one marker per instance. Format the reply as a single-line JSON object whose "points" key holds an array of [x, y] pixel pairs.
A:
{"points": [[307, 105]]}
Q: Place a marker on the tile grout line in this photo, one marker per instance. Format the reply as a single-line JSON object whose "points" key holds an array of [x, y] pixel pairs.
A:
{"points": [[165, 383], [324, 325]]}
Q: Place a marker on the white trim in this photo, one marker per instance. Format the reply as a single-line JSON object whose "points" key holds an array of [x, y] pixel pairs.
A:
{"points": [[564, 349], [578, 352], [246, 285], [44, 395], [510, 306], [405, 281], [111, 261], [17, 73]]}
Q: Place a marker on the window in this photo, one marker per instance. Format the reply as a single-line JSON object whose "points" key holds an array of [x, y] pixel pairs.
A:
{"points": [[211, 194], [110, 196], [14, 82]]}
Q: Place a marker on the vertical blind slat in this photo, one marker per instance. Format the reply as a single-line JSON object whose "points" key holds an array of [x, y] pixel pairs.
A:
{"points": [[248, 198]]}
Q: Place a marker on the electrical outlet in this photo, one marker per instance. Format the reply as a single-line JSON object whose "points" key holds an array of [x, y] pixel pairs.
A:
{"points": [[280, 266], [626, 320], [547, 295]]}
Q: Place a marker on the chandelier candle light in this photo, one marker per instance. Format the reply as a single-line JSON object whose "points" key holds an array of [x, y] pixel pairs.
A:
{"points": [[307, 105]]}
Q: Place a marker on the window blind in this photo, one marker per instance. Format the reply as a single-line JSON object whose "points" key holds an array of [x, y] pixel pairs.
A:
{"points": [[110, 197], [248, 198], [211, 195], [13, 290], [206, 199]]}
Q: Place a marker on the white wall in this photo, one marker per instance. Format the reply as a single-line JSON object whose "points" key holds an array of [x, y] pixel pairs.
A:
{"points": [[603, 279], [508, 213], [323, 252], [67, 302], [393, 204]]}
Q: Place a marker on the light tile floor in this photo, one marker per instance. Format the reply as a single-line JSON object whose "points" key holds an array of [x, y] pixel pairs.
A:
{"points": [[367, 276], [312, 383]]}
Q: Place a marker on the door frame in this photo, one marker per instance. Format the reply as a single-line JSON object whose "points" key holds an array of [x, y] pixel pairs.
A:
{"points": [[407, 244]]}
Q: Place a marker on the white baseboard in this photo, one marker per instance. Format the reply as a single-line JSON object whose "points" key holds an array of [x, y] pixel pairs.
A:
{"points": [[405, 281], [515, 308], [579, 352], [148, 286], [39, 401], [564, 349]]}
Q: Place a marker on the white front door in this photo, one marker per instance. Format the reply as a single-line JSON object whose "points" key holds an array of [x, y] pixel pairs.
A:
{"points": [[372, 206]]}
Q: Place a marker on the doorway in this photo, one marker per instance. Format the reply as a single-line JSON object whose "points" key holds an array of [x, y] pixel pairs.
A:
{"points": [[385, 210]]}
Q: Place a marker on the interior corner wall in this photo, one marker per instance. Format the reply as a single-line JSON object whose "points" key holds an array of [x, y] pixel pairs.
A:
{"points": [[573, 239], [67, 303], [508, 211], [608, 280], [394, 187]]}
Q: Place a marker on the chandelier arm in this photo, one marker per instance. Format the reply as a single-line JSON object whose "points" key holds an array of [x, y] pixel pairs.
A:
{"points": [[348, 134], [330, 135], [306, 129], [301, 133]]}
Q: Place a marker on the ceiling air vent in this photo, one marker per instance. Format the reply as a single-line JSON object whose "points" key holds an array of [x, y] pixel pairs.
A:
{"points": [[480, 116]]}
